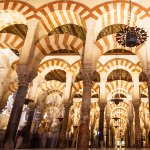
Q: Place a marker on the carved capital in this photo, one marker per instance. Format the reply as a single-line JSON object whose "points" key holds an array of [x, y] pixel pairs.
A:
{"points": [[23, 79], [136, 104], [32, 106], [102, 105], [25, 75], [87, 76], [67, 105]]}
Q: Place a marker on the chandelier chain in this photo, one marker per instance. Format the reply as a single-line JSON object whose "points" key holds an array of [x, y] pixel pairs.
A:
{"points": [[129, 19]]}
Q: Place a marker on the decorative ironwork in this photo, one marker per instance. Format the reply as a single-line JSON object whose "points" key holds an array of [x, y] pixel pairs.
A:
{"points": [[116, 118], [131, 36], [117, 100], [27, 101], [60, 118], [75, 126], [116, 126]]}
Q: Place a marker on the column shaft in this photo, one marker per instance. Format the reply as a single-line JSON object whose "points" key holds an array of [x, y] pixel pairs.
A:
{"points": [[83, 142], [29, 122], [15, 117], [137, 128], [92, 137], [63, 138], [107, 134], [101, 127]]}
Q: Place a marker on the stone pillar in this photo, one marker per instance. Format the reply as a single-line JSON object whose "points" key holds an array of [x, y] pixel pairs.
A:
{"points": [[67, 104], [111, 136], [107, 131], [75, 136], [127, 137], [147, 140], [83, 142], [103, 102], [63, 134], [136, 105], [30, 42], [68, 88], [101, 125], [92, 136], [25, 77], [29, 121], [130, 125], [131, 141]]}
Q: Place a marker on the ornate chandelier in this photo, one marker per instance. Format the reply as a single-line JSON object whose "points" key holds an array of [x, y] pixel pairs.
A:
{"points": [[116, 126], [131, 36], [116, 118], [117, 100]]}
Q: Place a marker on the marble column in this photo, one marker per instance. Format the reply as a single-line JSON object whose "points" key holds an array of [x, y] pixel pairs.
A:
{"points": [[83, 142], [63, 134], [75, 136], [107, 131], [29, 121], [92, 136], [136, 105], [147, 140], [103, 102], [130, 125], [25, 77], [131, 141], [67, 105], [101, 125], [111, 136], [127, 137]]}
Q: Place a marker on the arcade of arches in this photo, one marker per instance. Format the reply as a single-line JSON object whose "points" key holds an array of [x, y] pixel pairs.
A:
{"points": [[65, 79]]}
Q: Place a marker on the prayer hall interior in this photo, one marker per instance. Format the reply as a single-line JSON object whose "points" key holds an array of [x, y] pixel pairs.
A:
{"points": [[74, 74]]}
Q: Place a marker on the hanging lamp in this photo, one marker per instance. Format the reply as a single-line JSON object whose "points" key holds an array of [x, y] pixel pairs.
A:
{"points": [[131, 36]]}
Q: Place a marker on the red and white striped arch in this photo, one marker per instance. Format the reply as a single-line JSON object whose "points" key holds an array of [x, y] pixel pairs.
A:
{"points": [[115, 12], [120, 112], [77, 86], [57, 14], [145, 92], [108, 43], [24, 8], [144, 88], [8, 40], [52, 85], [75, 68], [119, 85], [122, 105], [95, 87], [99, 67], [59, 41], [53, 64], [13, 17], [16, 13], [14, 65], [121, 64]]}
